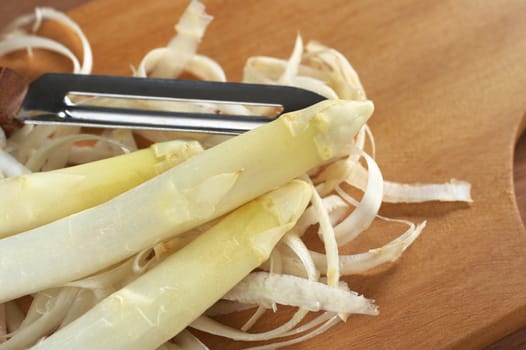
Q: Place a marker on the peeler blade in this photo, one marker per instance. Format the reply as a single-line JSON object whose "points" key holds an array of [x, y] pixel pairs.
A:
{"points": [[47, 102]]}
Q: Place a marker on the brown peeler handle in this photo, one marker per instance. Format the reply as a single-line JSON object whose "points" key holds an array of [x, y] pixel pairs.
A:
{"points": [[13, 89]]}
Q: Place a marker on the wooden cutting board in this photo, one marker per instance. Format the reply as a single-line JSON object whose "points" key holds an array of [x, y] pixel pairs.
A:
{"points": [[448, 79]]}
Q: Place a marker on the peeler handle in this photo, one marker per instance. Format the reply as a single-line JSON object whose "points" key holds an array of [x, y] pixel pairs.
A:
{"points": [[13, 89]]}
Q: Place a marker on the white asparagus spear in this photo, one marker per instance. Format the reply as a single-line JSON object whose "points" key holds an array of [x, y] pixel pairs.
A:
{"points": [[162, 302], [32, 200], [198, 190]]}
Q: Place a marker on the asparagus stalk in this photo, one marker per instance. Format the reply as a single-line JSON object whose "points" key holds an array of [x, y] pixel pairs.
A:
{"points": [[36, 199], [198, 190], [163, 301]]}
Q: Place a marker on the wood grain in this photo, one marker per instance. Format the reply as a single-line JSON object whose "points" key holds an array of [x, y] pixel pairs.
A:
{"points": [[448, 82]]}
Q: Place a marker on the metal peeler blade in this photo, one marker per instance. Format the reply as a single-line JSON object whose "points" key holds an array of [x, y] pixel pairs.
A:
{"points": [[48, 101]]}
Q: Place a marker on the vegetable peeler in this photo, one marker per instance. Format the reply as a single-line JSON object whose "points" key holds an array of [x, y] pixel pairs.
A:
{"points": [[47, 100]]}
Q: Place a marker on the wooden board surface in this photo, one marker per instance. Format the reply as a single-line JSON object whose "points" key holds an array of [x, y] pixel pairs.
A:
{"points": [[448, 82]]}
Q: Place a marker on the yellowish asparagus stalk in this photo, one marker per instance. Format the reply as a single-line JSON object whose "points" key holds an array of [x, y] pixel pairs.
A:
{"points": [[36, 199], [204, 187], [162, 302]]}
